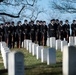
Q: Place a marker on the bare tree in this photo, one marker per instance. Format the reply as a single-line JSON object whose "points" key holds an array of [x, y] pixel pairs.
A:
{"points": [[19, 9], [64, 5], [15, 4]]}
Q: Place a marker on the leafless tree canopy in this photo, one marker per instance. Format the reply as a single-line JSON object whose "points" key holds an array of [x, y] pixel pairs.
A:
{"points": [[19, 9], [64, 5]]}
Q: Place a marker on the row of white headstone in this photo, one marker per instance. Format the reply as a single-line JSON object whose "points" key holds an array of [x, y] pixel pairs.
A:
{"points": [[4, 51], [45, 54], [13, 61], [49, 55], [58, 44]]}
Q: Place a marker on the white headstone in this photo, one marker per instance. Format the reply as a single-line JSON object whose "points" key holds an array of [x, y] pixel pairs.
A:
{"points": [[51, 56], [75, 41], [48, 41], [69, 60], [4, 52], [38, 51], [27, 44], [30, 47], [63, 43], [58, 44], [34, 49], [52, 42], [44, 55], [24, 43], [15, 63], [71, 41]]}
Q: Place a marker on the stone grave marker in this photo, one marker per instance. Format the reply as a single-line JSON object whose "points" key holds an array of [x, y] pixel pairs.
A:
{"points": [[58, 44], [71, 41], [38, 51], [48, 41], [51, 56], [30, 47], [34, 49], [15, 63], [44, 54], [52, 42], [63, 43], [69, 60]]}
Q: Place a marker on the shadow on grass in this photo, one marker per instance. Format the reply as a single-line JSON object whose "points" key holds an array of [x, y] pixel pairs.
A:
{"points": [[2, 71]]}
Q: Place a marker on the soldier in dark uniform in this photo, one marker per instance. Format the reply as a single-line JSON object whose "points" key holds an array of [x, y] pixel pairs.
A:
{"points": [[19, 34], [40, 33], [32, 31], [9, 35], [73, 28], [13, 29], [56, 29], [36, 31], [51, 28], [66, 29], [6, 33], [1, 32], [25, 29], [60, 31], [44, 31]]}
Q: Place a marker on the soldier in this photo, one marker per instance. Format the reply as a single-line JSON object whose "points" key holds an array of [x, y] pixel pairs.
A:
{"points": [[66, 28], [9, 34], [32, 31], [6, 33], [37, 30], [56, 29], [1, 32], [73, 28], [13, 29], [25, 29], [40, 32], [60, 31], [51, 28], [44, 30], [19, 34]]}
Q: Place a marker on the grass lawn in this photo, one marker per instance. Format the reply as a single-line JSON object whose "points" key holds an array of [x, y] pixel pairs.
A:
{"points": [[35, 67]]}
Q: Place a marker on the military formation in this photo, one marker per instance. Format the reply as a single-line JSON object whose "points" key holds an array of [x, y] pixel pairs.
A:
{"points": [[14, 35]]}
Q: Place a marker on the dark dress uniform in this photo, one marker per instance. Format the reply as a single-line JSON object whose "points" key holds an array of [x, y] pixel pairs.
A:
{"points": [[56, 25], [32, 32], [9, 36], [51, 30], [25, 29], [1, 33], [44, 31], [40, 34], [60, 32], [66, 28], [13, 29], [73, 28], [18, 36], [6, 34]]}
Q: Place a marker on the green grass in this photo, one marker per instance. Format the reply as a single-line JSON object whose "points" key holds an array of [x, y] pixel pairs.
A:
{"points": [[35, 67]]}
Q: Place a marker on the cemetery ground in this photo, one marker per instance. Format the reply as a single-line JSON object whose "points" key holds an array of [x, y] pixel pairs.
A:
{"points": [[34, 66]]}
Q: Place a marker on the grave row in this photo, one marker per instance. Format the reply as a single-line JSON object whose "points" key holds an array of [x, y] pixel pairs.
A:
{"points": [[13, 61], [49, 55], [45, 54], [58, 44]]}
